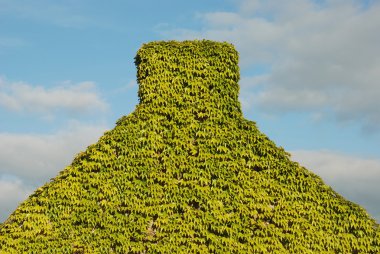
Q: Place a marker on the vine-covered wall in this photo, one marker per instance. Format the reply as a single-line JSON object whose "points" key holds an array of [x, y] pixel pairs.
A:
{"points": [[186, 173]]}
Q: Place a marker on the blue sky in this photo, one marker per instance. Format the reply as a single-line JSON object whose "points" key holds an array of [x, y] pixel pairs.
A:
{"points": [[310, 74]]}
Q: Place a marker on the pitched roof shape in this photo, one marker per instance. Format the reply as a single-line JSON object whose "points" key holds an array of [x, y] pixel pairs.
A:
{"points": [[186, 173]]}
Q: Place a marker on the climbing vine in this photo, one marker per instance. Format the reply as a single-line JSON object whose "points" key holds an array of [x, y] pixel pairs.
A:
{"points": [[186, 173]]}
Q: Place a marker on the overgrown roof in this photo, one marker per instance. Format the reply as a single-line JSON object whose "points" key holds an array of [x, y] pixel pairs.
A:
{"points": [[186, 173]]}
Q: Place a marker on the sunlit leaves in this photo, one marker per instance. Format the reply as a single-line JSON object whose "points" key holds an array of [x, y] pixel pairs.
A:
{"points": [[186, 173]]}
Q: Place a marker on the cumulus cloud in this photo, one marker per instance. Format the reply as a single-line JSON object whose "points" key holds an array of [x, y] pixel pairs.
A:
{"points": [[36, 158], [30, 160], [72, 98], [357, 179], [12, 192], [320, 55]]}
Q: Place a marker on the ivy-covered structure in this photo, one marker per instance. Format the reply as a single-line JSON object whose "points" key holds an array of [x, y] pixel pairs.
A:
{"points": [[186, 173]]}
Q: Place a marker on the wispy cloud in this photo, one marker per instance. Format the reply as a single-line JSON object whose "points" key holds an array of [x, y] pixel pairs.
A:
{"points": [[321, 55], [73, 98], [11, 42], [51, 12], [357, 179]]}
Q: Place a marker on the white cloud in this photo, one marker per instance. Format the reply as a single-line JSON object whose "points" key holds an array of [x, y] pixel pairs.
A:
{"points": [[320, 55], [222, 19], [30, 160], [72, 98], [357, 179], [36, 158], [279, 100], [12, 192]]}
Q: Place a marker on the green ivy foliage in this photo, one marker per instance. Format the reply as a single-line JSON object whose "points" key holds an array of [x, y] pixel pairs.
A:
{"points": [[186, 173]]}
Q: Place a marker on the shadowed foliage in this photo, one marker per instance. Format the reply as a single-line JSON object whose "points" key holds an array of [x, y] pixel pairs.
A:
{"points": [[186, 173]]}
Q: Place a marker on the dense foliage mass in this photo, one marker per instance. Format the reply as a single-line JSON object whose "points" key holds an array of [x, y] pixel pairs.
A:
{"points": [[186, 173]]}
